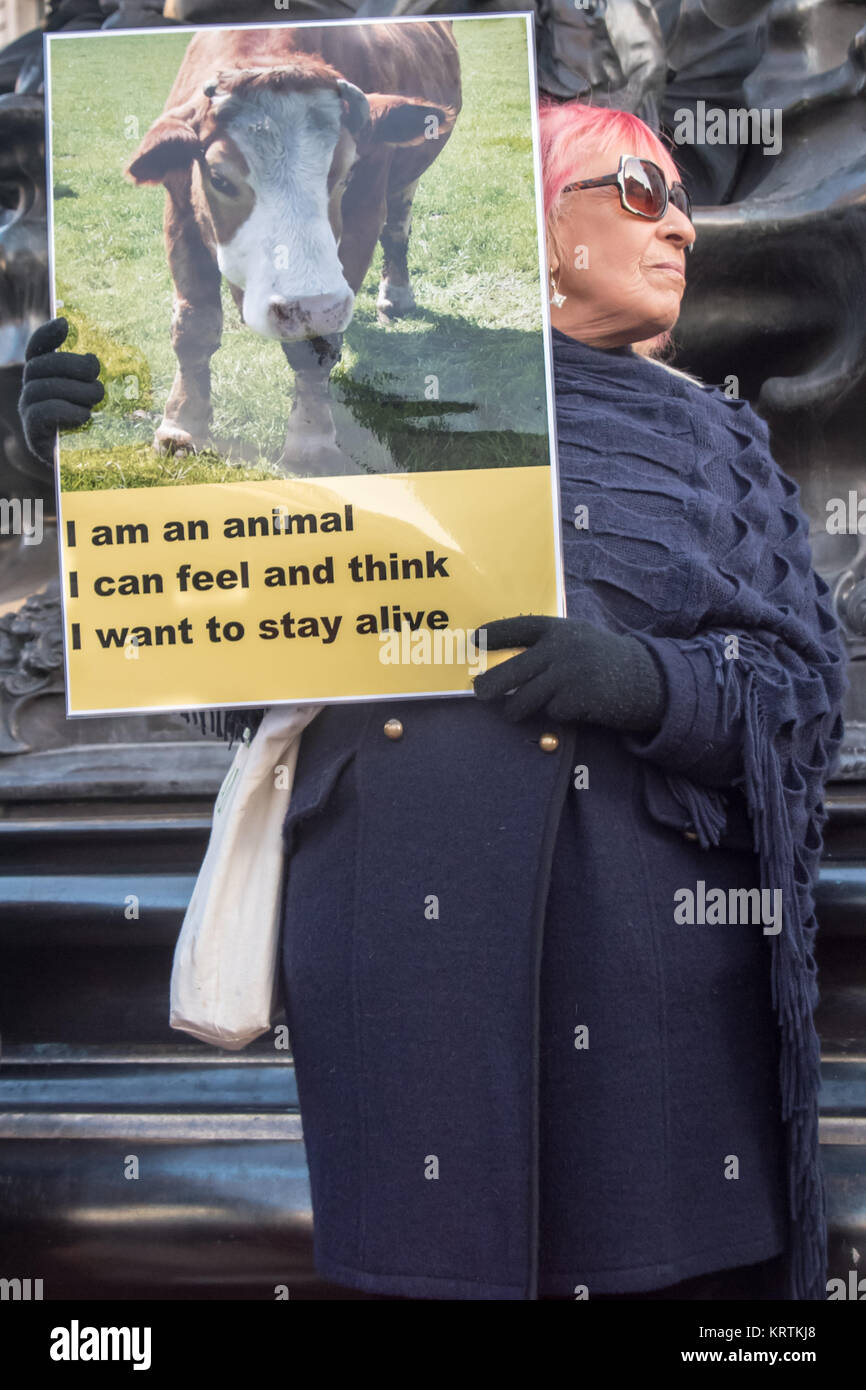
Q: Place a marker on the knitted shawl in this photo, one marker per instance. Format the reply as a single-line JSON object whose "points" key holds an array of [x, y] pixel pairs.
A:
{"points": [[692, 531]]}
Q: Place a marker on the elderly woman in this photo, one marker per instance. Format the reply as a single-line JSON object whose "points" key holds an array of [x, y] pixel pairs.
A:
{"points": [[548, 953]]}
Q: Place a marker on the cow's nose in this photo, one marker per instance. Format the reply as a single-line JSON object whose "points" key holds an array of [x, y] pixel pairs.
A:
{"points": [[311, 316]]}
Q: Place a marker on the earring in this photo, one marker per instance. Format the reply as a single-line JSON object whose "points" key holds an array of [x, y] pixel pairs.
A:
{"points": [[556, 298]]}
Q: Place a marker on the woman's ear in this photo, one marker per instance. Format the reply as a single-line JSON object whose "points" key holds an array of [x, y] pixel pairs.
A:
{"points": [[552, 256]]}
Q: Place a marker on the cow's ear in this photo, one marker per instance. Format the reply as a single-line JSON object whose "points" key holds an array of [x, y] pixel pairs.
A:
{"points": [[171, 143], [356, 108], [406, 120]]}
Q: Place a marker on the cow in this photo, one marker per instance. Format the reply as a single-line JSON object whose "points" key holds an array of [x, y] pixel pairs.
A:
{"points": [[286, 153]]}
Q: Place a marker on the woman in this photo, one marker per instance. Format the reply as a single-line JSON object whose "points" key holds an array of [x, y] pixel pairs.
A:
{"points": [[526, 1068]]}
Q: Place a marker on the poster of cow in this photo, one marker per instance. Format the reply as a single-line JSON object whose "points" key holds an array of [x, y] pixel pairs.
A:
{"points": [[309, 259]]}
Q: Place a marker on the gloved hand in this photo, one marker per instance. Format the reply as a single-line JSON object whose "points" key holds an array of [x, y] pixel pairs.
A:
{"points": [[59, 388], [573, 671]]}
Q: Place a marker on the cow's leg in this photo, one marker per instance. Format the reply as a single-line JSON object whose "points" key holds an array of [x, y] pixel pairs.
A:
{"points": [[196, 332], [311, 441], [395, 291], [311, 448]]}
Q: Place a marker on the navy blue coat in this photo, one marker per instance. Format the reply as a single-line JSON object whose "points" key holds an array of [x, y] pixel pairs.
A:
{"points": [[441, 945]]}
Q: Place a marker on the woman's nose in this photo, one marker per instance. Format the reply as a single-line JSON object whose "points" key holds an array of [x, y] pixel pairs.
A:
{"points": [[679, 229]]}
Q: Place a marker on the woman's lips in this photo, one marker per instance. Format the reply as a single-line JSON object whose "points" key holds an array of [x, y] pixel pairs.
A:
{"points": [[670, 267]]}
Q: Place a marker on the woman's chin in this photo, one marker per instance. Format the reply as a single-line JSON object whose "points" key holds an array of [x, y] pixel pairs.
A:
{"points": [[658, 324]]}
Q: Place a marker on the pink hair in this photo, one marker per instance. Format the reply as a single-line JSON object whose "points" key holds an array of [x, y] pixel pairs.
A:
{"points": [[570, 132]]}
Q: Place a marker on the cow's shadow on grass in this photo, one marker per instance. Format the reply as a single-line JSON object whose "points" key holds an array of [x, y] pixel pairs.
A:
{"points": [[435, 392]]}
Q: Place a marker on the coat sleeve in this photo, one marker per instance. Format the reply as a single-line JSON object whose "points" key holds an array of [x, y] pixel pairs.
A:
{"points": [[704, 726], [697, 737]]}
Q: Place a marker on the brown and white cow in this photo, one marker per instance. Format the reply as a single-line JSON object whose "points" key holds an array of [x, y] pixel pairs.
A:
{"points": [[286, 153]]}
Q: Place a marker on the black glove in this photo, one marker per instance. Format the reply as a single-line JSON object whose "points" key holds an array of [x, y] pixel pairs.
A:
{"points": [[59, 388], [573, 671]]}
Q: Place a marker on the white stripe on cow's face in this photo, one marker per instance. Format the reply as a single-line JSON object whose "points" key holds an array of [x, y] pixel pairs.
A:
{"points": [[283, 254]]}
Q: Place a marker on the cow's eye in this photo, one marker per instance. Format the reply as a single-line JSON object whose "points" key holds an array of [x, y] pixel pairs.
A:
{"points": [[222, 184]]}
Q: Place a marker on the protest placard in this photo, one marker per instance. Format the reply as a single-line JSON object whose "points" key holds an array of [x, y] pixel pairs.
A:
{"points": [[309, 260]]}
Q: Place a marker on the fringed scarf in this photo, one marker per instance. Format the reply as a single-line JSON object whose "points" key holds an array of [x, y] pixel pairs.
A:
{"points": [[692, 531], [229, 724]]}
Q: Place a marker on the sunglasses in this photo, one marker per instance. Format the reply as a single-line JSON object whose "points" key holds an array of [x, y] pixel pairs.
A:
{"points": [[642, 189]]}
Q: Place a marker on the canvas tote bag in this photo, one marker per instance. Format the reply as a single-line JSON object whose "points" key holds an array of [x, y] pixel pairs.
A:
{"points": [[224, 975]]}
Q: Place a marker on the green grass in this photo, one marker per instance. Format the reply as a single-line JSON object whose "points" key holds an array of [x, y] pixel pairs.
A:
{"points": [[472, 256]]}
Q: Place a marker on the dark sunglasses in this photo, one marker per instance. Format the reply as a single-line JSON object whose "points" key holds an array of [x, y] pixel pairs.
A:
{"points": [[642, 189]]}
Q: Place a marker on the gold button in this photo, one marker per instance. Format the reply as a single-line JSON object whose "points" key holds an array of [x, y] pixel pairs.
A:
{"points": [[689, 835], [394, 729], [548, 743]]}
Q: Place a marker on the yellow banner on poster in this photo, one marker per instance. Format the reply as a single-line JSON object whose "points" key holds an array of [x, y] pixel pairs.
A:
{"points": [[261, 592]]}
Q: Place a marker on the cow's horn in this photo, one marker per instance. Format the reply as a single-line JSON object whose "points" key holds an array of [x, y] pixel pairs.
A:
{"points": [[357, 106]]}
